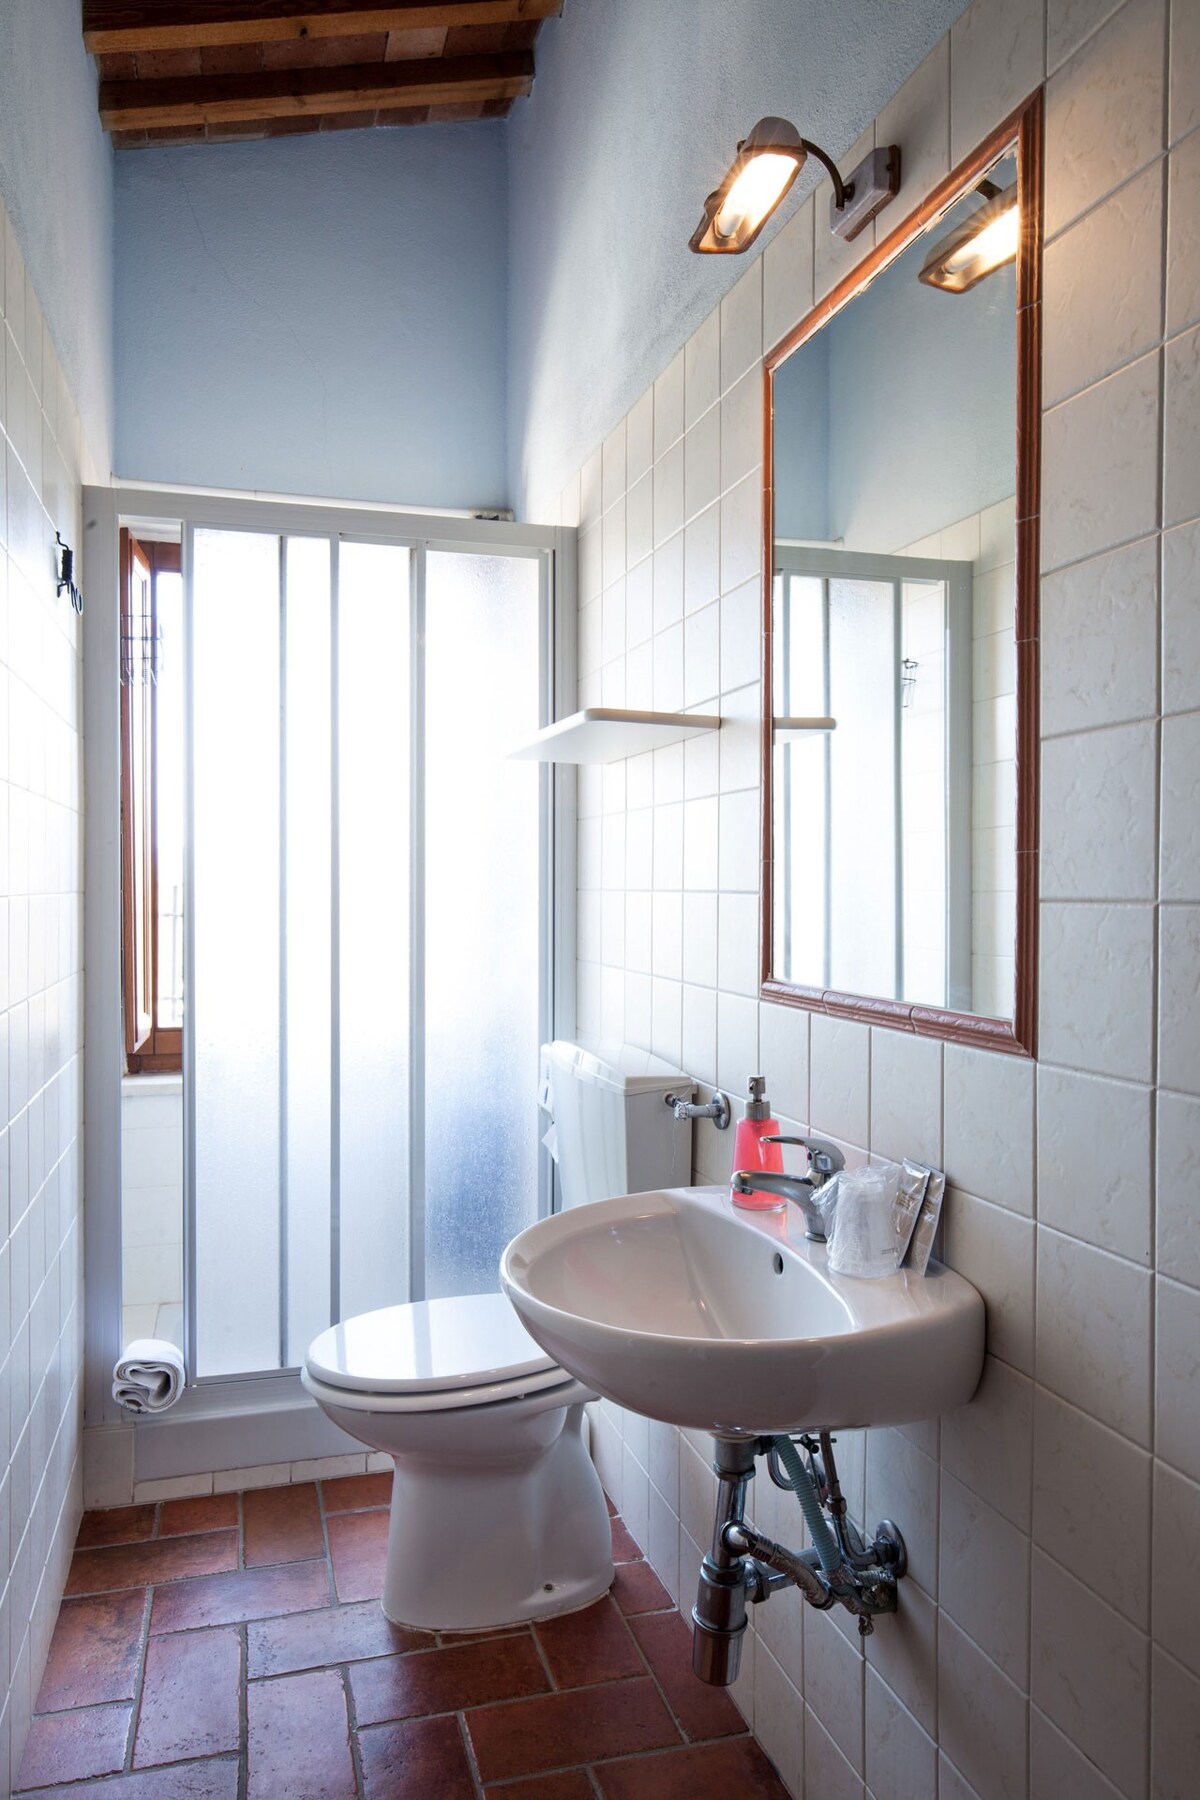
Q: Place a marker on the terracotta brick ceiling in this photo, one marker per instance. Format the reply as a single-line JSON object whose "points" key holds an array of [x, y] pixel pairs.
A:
{"points": [[209, 71]]}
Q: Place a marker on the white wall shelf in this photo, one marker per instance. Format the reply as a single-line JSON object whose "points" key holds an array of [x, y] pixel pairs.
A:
{"points": [[604, 734]]}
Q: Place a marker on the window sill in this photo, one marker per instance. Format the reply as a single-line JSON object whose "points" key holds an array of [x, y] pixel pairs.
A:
{"points": [[152, 1084]]}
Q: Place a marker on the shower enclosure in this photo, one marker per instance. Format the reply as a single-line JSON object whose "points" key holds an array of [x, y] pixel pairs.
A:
{"points": [[371, 898]]}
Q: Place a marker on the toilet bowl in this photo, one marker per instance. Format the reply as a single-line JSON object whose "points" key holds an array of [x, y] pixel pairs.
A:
{"points": [[497, 1516]]}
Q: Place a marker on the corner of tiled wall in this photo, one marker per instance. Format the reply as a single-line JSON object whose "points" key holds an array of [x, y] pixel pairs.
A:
{"points": [[41, 1219], [1046, 1639]]}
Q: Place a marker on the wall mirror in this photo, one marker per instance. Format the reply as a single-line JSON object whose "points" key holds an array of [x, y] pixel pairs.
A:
{"points": [[900, 666]]}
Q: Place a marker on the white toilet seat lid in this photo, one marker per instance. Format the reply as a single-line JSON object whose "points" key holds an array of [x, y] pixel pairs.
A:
{"points": [[429, 1346]]}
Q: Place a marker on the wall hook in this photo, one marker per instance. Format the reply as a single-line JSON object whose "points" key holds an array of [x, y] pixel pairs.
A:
{"points": [[66, 573]]}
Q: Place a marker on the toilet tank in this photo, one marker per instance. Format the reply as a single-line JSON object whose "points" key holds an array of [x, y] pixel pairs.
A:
{"points": [[614, 1132]]}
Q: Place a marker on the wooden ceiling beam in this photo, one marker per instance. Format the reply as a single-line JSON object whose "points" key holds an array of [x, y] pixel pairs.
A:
{"points": [[296, 93], [110, 26]]}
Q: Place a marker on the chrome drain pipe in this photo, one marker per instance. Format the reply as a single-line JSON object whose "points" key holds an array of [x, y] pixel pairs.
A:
{"points": [[744, 1566]]}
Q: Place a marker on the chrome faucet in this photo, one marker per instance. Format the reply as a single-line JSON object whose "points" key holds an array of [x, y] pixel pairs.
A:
{"points": [[824, 1162]]}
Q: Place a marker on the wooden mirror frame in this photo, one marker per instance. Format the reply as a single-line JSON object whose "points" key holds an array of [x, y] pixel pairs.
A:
{"points": [[1022, 129]]}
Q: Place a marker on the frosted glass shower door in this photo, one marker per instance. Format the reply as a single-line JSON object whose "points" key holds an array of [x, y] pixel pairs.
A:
{"points": [[367, 930]]}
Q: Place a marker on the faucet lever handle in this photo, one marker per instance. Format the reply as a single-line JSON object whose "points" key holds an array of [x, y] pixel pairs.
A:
{"points": [[825, 1158]]}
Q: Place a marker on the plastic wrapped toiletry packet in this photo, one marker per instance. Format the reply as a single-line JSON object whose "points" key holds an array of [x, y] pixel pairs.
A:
{"points": [[914, 1179], [863, 1243], [921, 1247]]}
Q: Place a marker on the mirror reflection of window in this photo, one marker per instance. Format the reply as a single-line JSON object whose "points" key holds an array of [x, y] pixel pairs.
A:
{"points": [[894, 769]]}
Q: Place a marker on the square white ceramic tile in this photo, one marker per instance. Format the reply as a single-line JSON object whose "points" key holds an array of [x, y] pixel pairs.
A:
{"points": [[989, 1126], [788, 275], [742, 428], [783, 1038], [700, 938], [1093, 1333], [779, 1719], [702, 463], [906, 1097], [612, 464], [902, 1483], [1100, 465], [741, 529], [737, 959], [1084, 342], [741, 326], [1176, 1565], [700, 843], [1183, 255], [702, 657], [668, 583], [993, 1248], [1181, 454], [982, 1719], [1099, 640], [1180, 833], [741, 635], [668, 494], [1070, 22], [833, 1683], [1056, 1767], [1178, 1152], [1098, 828], [1084, 1189], [1090, 1673], [901, 1758], [1104, 112], [639, 520], [639, 437], [737, 1044], [1179, 983], [1177, 1372], [699, 1028], [1072, 1452], [918, 119], [702, 559], [983, 1577], [904, 1653], [1096, 981], [740, 846], [1175, 1729], [1181, 619], [668, 406], [702, 368], [997, 58], [839, 1079], [988, 1445]]}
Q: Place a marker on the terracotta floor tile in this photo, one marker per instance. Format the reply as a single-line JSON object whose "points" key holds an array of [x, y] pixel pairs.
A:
{"points": [[637, 1589], [70, 1746], [557, 1730], [420, 1759], [704, 1772], [191, 1697], [115, 1525], [298, 1723], [216, 1779], [137, 1565], [358, 1546], [246, 1594], [587, 1647], [206, 1512], [703, 1711], [338, 1634], [281, 1524], [442, 1681], [95, 1651], [624, 1548], [350, 1493], [570, 1784]]}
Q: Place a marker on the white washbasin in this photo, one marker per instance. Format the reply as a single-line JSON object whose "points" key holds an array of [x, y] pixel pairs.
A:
{"points": [[682, 1308]]}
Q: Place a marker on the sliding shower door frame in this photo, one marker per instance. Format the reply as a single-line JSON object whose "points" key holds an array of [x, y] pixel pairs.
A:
{"points": [[218, 1419]]}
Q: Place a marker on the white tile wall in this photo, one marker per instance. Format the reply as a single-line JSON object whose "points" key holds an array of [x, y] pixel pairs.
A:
{"points": [[1047, 1642], [41, 1220], [151, 1203]]}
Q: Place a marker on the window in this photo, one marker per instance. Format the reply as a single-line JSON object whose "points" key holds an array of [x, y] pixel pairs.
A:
{"points": [[152, 803]]}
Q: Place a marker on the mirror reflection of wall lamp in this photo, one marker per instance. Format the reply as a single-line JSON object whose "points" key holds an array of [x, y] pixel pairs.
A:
{"points": [[768, 160], [979, 245]]}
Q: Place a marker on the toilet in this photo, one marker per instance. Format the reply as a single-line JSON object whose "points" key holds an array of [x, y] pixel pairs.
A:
{"points": [[497, 1512]]}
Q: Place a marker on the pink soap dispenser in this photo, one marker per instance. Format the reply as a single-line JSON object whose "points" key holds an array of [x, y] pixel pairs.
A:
{"points": [[750, 1151]]}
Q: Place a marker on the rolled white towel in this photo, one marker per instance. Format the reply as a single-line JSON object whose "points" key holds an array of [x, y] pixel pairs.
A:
{"points": [[148, 1376]]}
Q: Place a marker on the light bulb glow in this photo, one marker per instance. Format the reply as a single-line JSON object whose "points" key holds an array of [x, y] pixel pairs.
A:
{"points": [[995, 244], [757, 188]]}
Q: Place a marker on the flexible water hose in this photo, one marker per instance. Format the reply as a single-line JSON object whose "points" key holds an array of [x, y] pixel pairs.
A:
{"points": [[801, 1483]]}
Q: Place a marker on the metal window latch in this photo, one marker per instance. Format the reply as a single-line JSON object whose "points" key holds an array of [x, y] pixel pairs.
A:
{"points": [[717, 1109]]}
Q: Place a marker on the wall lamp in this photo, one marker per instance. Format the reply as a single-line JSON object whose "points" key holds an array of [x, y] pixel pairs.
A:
{"points": [[768, 160], [977, 246]]}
